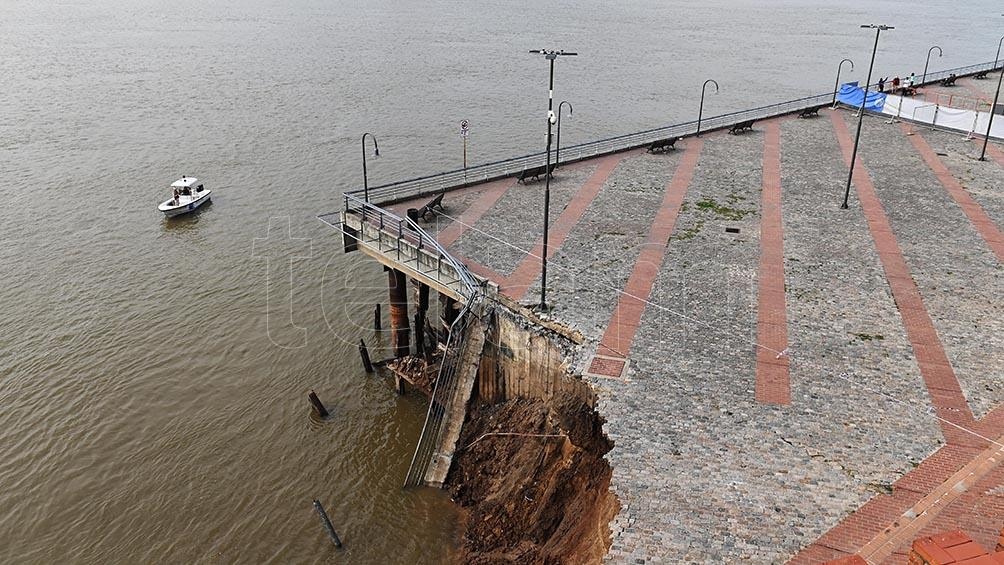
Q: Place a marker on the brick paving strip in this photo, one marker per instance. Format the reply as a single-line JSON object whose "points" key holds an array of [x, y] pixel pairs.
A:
{"points": [[909, 525], [451, 233], [939, 377], [518, 283], [773, 384], [624, 322], [983, 224]]}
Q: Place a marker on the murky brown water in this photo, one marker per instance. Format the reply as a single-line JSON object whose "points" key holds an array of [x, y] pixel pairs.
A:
{"points": [[153, 380]]}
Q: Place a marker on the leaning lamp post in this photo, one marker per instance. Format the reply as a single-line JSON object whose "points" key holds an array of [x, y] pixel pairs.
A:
{"points": [[861, 112], [990, 122], [376, 153], [550, 55]]}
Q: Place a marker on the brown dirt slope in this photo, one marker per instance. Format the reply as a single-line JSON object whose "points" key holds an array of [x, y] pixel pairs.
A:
{"points": [[534, 497]]}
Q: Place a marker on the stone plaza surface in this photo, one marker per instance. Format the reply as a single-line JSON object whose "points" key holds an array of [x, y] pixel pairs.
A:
{"points": [[794, 386]]}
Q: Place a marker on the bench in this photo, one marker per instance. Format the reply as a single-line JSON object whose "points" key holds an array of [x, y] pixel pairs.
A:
{"points": [[534, 173], [948, 81], [736, 129], [981, 75], [906, 91], [430, 207], [663, 144], [809, 112]]}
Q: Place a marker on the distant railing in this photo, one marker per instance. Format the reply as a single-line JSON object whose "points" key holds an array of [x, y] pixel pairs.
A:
{"points": [[429, 184]]}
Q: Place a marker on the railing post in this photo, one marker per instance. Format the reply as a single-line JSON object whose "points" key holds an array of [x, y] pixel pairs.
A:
{"points": [[400, 236]]}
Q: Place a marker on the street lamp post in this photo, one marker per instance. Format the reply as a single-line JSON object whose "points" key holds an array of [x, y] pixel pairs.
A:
{"points": [[836, 85], [557, 150], [700, 112], [986, 138], [923, 80], [861, 112], [376, 153], [998, 56], [550, 55]]}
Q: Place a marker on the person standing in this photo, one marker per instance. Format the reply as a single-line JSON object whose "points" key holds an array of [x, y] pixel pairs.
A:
{"points": [[882, 84]]}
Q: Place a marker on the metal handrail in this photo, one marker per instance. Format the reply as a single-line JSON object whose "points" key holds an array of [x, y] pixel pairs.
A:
{"points": [[443, 392], [387, 219], [428, 184]]}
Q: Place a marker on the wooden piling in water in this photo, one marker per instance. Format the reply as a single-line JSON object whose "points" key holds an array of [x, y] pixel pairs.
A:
{"points": [[365, 355], [377, 326], [327, 524], [318, 406]]}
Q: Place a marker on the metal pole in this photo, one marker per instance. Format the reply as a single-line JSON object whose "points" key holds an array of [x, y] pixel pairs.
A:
{"points": [[557, 149], [700, 112], [547, 188], [836, 84], [376, 153], [861, 115], [923, 80], [998, 56], [986, 139], [550, 56]]}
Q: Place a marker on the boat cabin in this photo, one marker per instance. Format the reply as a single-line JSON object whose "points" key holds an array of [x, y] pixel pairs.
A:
{"points": [[187, 185]]}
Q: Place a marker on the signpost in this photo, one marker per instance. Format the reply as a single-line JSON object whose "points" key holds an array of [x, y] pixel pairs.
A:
{"points": [[464, 132]]}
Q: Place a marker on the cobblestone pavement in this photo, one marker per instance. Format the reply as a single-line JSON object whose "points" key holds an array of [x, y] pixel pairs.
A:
{"points": [[962, 283], [596, 259], [706, 473], [517, 218], [982, 180], [986, 86]]}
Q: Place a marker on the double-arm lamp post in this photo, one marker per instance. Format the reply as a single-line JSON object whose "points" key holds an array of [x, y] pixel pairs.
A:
{"points": [[861, 112], [550, 55]]}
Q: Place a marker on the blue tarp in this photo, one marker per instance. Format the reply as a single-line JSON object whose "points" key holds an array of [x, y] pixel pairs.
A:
{"points": [[850, 94]]}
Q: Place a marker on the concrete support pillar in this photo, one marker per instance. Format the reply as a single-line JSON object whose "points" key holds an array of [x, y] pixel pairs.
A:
{"points": [[400, 331]]}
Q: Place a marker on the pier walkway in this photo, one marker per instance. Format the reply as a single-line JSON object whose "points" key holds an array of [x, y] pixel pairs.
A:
{"points": [[782, 379]]}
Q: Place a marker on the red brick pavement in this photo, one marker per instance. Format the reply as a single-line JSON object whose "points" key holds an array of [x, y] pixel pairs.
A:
{"points": [[773, 384], [526, 272], [627, 314], [980, 220]]}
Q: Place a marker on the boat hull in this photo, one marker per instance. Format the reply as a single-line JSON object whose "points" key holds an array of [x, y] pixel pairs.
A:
{"points": [[170, 210]]}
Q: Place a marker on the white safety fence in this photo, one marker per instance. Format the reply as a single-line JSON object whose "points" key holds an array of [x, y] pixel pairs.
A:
{"points": [[971, 122]]}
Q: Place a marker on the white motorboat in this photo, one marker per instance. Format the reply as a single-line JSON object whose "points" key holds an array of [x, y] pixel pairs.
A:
{"points": [[188, 194]]}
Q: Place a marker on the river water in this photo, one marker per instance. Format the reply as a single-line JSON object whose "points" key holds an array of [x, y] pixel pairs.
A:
{"points": [[153, 374]]}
